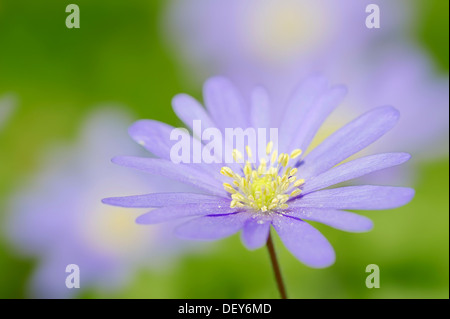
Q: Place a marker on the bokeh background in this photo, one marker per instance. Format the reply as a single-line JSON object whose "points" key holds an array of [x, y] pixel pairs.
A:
{"points": [[56, 82]]}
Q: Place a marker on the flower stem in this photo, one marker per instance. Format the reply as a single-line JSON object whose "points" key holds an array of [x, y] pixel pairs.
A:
{"points": [[276, 268]]}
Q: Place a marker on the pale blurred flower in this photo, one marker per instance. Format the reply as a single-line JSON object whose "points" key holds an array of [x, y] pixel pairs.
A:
{"points": [[404, 77], [265, 41], [276, 43], [59, 218]]}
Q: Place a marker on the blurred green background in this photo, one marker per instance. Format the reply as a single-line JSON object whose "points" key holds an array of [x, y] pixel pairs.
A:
{"points": [[59, 75]]}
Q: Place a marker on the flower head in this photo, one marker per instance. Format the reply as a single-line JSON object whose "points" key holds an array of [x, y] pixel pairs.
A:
{"points": [[280, 187]]}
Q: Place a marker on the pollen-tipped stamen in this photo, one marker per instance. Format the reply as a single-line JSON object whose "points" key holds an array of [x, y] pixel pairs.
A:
{"points": [[266, 187]]}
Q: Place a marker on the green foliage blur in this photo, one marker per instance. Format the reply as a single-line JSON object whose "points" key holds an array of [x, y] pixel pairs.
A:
{"points": [[59, 75]]}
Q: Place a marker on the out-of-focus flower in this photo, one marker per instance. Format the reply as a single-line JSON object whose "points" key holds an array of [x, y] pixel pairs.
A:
{"points": [[265, 41], [279, 190], [7, 105], [59, 217], [275, 43], [402, 76]]}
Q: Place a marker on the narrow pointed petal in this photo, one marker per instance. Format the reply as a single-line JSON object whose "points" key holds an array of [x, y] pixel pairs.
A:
{"points": [[164, 214], [299, 105], [183, 173], [161, 199], [316, 116], [189, 110], [349, 140], [305, 242], [260, 108], [224, 103], [353, 169], [212, 227], [338, 219], [365, 197], [156, 138], [255, 232]]}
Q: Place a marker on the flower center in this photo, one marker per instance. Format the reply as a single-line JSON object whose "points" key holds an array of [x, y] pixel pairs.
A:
{"points": [[266, 187]]}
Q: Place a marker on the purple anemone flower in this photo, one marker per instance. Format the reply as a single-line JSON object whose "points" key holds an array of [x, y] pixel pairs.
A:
{"points": [[282, 187]]}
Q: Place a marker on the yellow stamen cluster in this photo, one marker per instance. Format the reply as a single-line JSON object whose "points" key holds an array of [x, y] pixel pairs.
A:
{"points": [[263, 188]]}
